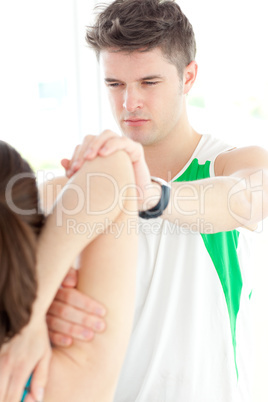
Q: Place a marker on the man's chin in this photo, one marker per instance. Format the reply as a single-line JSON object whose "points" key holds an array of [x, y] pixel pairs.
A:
{"points": [[138, 135]]}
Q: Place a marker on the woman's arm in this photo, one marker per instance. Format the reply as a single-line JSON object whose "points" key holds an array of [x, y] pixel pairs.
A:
{"points": [[49, 190], [89, 371], [58, 247]]}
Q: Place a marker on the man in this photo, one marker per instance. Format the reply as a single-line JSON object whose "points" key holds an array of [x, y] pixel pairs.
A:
{"points": [[190, 339]]}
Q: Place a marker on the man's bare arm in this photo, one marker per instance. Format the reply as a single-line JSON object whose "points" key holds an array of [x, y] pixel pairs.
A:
{"points": [[236, 197]]}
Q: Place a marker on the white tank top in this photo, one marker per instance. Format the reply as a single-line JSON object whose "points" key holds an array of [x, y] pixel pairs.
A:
{"points": [[191, 334]]}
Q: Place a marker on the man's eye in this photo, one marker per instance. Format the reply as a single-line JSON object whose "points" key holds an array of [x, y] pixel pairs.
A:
{"points": [[113, 84], [150, 82]]}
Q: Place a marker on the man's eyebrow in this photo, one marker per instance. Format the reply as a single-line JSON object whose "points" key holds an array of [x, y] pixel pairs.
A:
{"points": [[111, 80], [147, 78], [152, 77]]}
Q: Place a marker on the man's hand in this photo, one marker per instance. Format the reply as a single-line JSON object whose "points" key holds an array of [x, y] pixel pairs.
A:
{"points": [[27, 352], [73, 315], [105, 144]]}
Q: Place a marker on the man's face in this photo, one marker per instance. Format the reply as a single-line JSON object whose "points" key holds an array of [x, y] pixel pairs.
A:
{"points": [[145, 93]]}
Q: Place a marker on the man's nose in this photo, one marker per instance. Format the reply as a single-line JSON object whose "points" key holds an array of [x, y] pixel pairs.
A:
{"points": [[132, 99]]}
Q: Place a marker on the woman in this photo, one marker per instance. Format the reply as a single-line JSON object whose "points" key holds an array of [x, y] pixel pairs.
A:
{"points": [[101, 194], [18, 239]]}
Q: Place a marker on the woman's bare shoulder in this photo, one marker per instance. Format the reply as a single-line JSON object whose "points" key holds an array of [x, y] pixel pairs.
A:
{"points": [[49, 191]]}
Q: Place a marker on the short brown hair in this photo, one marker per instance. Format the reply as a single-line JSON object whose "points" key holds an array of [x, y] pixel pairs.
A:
{"points": [[129, 25], [20, 223]]}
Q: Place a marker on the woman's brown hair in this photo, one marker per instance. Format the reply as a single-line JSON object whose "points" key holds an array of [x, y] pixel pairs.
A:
{"points": [[20, 223], [142, 25]]}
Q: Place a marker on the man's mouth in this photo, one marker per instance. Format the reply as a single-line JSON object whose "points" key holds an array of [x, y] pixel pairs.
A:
{"points": [[135, 121]]}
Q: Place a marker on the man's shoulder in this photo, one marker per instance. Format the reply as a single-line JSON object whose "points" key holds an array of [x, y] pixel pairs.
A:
{"points": [[236, 159], [209, 148]]}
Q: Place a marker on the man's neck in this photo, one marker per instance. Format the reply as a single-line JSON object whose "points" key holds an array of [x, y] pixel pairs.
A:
{"points": [[167, 157]]}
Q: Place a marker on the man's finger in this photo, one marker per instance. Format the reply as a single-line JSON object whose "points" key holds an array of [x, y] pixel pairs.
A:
{"points": [[75, 316], [70, 280], [75, 331], [132, 148], [65, 163], [58, 339], [76, 299], [75, 160], [98, 142]]}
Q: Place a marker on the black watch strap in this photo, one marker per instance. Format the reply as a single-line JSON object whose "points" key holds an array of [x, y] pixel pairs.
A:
{"points": [[159, 208]]}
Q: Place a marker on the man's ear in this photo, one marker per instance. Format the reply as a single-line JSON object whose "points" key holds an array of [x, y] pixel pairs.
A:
{"points": [[190, 74]]}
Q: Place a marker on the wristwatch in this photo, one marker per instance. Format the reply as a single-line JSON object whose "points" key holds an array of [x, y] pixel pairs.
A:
{"points": [[159, 208]]}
